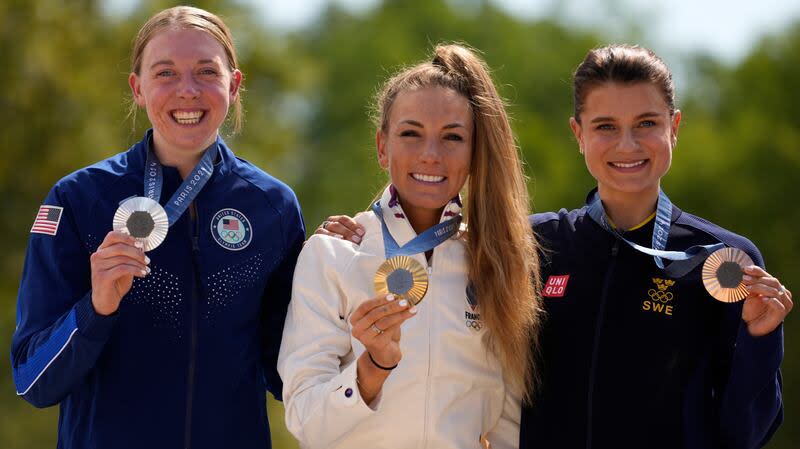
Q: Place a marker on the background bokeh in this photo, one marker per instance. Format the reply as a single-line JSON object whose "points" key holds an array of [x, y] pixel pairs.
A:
{"points": [[64, 100]]}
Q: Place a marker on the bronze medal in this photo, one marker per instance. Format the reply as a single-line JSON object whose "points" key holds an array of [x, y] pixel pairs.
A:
{"points": [[723, 272], [404, 277]]}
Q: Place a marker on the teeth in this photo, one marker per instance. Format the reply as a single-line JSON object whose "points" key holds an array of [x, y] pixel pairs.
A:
{"points": [[187, 118], [427, 178], [627, 164]]}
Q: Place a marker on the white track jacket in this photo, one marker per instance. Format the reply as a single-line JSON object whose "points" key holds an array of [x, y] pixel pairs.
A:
{"points": [[447, 390]]}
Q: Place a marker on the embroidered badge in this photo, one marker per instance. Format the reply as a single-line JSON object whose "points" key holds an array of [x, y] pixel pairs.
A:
{"points": [[47, 220], [231, 229], [659, 297], [556, 286], [472, 318]]}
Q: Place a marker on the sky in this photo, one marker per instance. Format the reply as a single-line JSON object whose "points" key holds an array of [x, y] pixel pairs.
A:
{"points": [[726, 29]]}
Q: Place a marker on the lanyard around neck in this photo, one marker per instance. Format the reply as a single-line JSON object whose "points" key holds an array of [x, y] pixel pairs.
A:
{"points": [[683, 261], [429, 239]]}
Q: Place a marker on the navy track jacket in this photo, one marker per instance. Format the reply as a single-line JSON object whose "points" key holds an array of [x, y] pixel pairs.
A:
{"points": [[633, 359], [186, 360]]}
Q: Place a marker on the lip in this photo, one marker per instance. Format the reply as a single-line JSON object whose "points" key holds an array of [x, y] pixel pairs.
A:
{"points": [[427, 179], [629, 166]]}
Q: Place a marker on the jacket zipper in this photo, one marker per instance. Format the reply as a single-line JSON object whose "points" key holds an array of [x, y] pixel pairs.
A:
{"points": [[194, 227], [596, 349], [429, 269]]}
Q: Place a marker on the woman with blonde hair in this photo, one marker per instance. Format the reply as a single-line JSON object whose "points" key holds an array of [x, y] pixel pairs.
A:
{"points": [[362, 368], [176, 348]]}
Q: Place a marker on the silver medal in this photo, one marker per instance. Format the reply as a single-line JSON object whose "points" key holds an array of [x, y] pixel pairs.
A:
{"points": [[143, 219]]}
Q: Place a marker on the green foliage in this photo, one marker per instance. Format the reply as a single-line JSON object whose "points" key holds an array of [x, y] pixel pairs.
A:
{"points": [[64, 102]]}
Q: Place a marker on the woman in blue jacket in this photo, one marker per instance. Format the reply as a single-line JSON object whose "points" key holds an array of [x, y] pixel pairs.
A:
{"points": [[175, 348]]}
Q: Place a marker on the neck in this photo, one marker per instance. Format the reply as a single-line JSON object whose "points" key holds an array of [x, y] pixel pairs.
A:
{"points": [[183, 160], [422, 219], [627, 210]]}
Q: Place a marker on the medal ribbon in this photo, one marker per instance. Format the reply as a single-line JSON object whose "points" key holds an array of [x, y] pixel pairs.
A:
{"points": [[683, 261], [189, 189], [426, 241]]}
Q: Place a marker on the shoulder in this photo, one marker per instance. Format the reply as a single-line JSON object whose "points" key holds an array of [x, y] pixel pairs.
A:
{"points": [[554, 222], [100, 177], [704, 230], [277, 193]]}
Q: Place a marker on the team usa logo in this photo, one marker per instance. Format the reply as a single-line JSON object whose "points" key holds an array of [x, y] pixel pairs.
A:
{"points": [[231, 229], [556, 286], [660, 296]]}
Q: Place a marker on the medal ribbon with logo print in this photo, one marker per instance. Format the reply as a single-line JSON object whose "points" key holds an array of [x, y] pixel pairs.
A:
{"points": [[683, 261]]}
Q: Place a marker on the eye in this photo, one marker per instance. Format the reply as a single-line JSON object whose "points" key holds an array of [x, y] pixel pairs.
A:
{"points": [[409, 133], [165, 73], [454, 137], [647, 124], [605, 127], [208, 71]]}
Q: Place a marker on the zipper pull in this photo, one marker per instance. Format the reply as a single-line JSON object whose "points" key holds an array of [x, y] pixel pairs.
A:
{"points": [[430, 270], [615, 249]]}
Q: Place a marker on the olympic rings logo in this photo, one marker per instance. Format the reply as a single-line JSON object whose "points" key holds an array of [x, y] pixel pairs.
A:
{"points": [[474, 325], [660, 296], [232, 235]]}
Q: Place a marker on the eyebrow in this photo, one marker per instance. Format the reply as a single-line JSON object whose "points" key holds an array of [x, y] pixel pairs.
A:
{"points": [[638, 117], [419, 125], [170, 63]]}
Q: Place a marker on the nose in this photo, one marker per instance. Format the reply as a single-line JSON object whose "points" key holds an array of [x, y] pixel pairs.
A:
{"points": [[188, 87], [629, 141], [431, 151]]}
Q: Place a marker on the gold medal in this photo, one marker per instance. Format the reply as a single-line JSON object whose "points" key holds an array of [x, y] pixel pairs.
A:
{"points": [[404, 277], [723, 272], [143, 219]]}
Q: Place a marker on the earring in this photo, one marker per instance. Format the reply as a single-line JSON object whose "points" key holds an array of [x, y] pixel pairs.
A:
{"points": [[580, 150]]}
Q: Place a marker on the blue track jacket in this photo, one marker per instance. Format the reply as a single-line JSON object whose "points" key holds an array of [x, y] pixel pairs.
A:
{"points": [[633, 359], [186, 360]]}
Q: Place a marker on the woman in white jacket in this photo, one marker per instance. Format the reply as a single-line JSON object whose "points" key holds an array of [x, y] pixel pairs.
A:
{"points": [[456, 374]]}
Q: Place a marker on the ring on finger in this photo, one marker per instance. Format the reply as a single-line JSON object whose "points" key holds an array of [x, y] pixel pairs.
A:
{"points": [[782, 290], [325, 224], [377, 330]]}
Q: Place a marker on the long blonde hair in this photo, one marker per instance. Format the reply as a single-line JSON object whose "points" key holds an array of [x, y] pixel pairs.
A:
{"points": [[503, 258]]}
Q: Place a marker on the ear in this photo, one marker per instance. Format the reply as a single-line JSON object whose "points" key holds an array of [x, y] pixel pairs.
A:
{"points": [[236, 82], [136, 89], [383, 155], [577, 131], [676, 122]]}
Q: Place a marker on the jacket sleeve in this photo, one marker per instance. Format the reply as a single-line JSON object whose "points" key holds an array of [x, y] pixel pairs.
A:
{"points": [[751, 408], [277, 294], [316, 361], [58, 336], [505, 434]]}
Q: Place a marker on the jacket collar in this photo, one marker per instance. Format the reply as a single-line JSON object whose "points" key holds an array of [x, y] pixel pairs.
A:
{"points": [[396, 219]]}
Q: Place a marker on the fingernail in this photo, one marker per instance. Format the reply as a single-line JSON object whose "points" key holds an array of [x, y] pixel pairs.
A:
{"points": [[748, 287], [413, 310], [356, 239], [747, 278], [749, 268], [765, 298], [147, 260], [360, 231], [403, 303], [138, 244], [390, 297], [147, 269], [144, 272]]}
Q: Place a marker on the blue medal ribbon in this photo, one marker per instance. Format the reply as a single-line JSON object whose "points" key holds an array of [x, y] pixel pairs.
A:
{"points": [[683, 261], [429, 239], [189, 189]]}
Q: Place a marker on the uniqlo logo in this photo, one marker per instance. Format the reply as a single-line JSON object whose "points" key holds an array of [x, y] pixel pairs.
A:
{"points": [[556, 286]]}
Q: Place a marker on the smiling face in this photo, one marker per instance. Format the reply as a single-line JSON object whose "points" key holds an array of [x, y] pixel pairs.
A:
{"points": [[427, 149], [186, 86], [627, 134]]}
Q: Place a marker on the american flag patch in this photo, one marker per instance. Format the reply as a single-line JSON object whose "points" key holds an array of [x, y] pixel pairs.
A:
{"points": [[47, 220]]}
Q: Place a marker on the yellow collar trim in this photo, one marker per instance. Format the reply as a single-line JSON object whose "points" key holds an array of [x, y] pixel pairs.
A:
{"points": [[646, 220]]}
